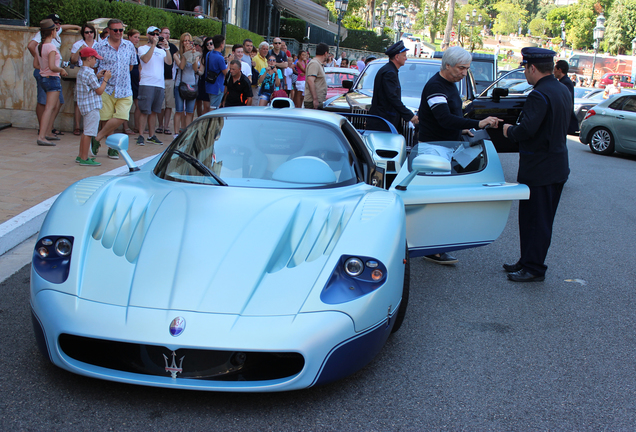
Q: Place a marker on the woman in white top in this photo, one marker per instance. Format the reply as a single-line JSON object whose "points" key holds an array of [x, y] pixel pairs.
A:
{"points": [[88, 40]]}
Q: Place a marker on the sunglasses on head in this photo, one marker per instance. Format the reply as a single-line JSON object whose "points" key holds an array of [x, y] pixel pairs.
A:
{"points": [[121, 30]]}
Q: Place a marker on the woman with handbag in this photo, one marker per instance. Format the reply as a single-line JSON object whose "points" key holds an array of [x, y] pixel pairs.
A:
{"points": [[203, 100], [188, 65], [88, 40]]}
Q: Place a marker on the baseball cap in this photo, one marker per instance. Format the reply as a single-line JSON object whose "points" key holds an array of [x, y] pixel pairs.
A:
{"points": [[152, 29], [89, 52], [55, 17]]}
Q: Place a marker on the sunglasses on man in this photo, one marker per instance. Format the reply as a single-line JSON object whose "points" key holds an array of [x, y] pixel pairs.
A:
{"points": [[121, 30]]}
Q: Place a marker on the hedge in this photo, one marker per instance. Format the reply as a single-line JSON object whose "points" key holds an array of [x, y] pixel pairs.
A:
{"points": [[136, 16], [366, 40], [293, 28]]}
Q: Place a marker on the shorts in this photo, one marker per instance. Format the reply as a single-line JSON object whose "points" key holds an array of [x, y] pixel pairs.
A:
{"points": [[180, 103], [41, 93], [151, 99], [52, 84], [215, 100], [300, 86], [113, 107], [265, 96], [168, 101], [91, 123]]}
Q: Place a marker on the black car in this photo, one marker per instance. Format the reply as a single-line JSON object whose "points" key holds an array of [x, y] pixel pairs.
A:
{"points": [[413, 76]]}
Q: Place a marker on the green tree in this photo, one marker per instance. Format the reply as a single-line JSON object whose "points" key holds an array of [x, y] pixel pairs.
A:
{"points": [[434, 19], [538, 27], [621, 27], [471, 29], [508, 16]]}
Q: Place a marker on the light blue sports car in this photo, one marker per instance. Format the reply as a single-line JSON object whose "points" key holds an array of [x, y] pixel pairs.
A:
{"points": [[260, 252]]}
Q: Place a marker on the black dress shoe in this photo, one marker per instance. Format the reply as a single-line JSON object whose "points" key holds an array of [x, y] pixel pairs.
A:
{"points": [[512, 267], [524, 276]]}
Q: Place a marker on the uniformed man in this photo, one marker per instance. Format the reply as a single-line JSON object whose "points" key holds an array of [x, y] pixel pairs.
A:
{"points": [[543, 161], [387, 93], [561, 69]]}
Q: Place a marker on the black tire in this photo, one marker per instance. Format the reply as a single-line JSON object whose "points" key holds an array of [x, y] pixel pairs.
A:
{"points": [[401, 313], [601, 141]]}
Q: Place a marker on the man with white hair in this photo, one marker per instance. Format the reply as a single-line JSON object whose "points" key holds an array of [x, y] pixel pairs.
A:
{"points": [[440, 112]]}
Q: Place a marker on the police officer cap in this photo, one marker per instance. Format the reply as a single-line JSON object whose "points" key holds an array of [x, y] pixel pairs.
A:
{"points": [[396, 49], [537, 55]]}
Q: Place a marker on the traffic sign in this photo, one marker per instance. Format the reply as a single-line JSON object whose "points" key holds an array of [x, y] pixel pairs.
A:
{"points": [[453, 34]]}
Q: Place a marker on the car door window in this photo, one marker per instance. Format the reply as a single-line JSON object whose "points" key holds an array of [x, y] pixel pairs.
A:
{"points": [[630, 104], [616, 105]]}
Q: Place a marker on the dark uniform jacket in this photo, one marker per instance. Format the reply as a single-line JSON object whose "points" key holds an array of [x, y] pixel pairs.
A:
{"points": [[574, 123], [387, 96], [542, 134]]}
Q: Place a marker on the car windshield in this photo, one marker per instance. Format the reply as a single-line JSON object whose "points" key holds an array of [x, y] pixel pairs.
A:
{"points": [[413, 76], [260, 152], [580, 92], [334, 79]]}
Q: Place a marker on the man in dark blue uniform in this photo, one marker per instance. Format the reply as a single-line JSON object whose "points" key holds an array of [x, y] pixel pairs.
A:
{"points": [[561, 73], [543, 161], [387, 93]]}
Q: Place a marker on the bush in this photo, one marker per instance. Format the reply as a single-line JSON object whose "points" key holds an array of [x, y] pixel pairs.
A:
{"points": [[366, 40], [293, 28], [136, 16]]}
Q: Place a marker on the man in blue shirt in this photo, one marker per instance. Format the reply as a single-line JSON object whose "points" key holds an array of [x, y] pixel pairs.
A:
{"points": [[216, 67]]}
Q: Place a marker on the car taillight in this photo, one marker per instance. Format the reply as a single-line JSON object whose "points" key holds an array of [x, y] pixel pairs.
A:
{"points": [[589, 114]]}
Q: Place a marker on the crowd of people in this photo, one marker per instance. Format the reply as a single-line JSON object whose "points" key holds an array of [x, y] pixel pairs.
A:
{"points": [[122, 85]]}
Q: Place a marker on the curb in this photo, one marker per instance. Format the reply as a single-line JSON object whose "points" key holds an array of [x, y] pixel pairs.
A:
{"points": [[21, 227]]}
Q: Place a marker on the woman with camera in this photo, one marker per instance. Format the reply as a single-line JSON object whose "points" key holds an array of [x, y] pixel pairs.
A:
{"points": [[269, 79]]}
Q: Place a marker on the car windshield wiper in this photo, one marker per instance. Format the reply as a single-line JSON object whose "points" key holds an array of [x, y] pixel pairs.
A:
{"points": [[196, 163]]}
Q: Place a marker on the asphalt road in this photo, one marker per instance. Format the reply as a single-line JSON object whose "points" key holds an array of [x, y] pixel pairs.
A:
{"points": [[476, 352]]}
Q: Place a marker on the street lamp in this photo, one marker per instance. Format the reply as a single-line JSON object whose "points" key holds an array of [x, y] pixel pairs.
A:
{"points": [[563, 36], [599, 32], [459, 32], [341, 9], [519, 25]]}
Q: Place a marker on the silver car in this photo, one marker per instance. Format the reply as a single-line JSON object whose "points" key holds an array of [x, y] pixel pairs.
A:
{"points": [[610, 125]]}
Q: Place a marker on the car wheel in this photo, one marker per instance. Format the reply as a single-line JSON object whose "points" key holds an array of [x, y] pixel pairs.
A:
{"points": [[602, 141], [401, 313]]}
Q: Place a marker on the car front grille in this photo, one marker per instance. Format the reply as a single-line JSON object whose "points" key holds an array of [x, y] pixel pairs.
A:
{"points": [[216, 365]]}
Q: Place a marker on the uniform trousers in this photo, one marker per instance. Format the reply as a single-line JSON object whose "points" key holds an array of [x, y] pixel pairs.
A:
{"points": [[536, 216]]}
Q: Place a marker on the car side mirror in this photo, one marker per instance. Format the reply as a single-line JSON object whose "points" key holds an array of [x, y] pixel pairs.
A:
{"points": [[348, 84], [425, 164], [119, 142], [498, 93]]}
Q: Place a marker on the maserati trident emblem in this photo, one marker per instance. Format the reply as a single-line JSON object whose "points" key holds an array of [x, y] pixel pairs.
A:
{"points": [[177, 326], [173, 369]]}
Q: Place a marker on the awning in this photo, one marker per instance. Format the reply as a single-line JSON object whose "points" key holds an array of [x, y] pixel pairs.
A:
{"points": [[311, 12]]}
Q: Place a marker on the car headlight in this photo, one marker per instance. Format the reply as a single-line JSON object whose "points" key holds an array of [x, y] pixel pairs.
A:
{"points": [[352, 278], [52, 258], [354, 267], [63, 247]]}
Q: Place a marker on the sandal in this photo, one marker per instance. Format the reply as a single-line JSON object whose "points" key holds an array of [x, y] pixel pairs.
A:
{"points": [[76, 131], [128, 131], [135, 131], [56, 132], [159, 130], [166, 132]]}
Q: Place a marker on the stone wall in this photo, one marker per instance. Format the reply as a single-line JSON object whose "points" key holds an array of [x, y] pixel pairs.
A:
{"points": [[17, 85]]}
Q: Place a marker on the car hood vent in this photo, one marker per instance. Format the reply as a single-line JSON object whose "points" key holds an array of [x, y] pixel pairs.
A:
{"points": [[213, 249], [84, 189]]}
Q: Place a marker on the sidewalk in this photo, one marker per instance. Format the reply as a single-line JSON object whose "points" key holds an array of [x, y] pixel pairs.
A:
{"points": [[31, 175]]}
